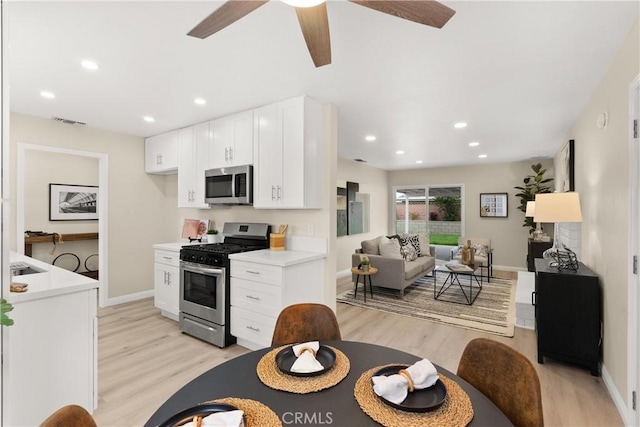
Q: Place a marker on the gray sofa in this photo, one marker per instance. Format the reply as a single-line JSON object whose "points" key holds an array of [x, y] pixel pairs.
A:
{"points": [[393, 271]]}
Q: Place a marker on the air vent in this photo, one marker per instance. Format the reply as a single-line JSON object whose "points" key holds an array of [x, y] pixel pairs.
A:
{"points": [[360, 160], [67, 121]]}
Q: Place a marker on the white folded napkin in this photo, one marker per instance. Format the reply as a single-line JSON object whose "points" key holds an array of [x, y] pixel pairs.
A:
{"points": [[221, 419], [395, 387], [306, 360]]}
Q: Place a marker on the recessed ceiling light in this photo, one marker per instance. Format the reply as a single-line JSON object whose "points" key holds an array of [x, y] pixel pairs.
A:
{"points": [[460, 125], [370, 138], [474, 144], [200, 101], [482, 156], [46, 94], [89, 65], [399, 152], [149, 119], [419, 162]]}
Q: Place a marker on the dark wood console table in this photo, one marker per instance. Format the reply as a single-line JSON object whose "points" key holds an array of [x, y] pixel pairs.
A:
{"points": [[55, 238], [535, 249], [568, 315]]}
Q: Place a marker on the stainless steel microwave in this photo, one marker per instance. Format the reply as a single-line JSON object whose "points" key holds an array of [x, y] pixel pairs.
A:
{"points": [[229, 186]]}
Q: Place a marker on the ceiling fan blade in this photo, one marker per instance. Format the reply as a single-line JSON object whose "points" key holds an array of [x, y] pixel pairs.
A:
{"points": [[315, 28], [427, 12], [225, 15]]}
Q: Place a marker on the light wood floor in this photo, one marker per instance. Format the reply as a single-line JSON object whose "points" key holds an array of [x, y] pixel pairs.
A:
{"points": [[144, 359]]}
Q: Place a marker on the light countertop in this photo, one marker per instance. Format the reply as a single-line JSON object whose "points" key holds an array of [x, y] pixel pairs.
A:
{"points": [[175, 246], [52, 282], [279, 258]]}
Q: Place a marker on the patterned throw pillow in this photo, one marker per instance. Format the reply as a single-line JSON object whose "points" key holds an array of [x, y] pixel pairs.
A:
{"points": [[411, 239], [481, 250], [409, 252]]}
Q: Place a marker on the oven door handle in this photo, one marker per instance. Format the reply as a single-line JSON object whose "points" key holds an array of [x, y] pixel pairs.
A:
{"points": [[203, 270]]}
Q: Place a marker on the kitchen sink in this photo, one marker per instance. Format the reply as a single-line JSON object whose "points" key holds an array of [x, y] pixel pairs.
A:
{"points": [[22, 268]]}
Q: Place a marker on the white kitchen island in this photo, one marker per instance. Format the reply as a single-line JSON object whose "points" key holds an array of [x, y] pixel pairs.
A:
{"points": [[50, 352]]}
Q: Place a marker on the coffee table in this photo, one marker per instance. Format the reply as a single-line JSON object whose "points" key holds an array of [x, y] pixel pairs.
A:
{"points": [[453, 278]]}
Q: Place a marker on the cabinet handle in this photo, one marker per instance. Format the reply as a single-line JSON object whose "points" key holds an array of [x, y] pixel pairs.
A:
{"points": [[168, 279], [533, 298], [226, 154], [273, 189], [165, 277], [253, 298], [251, 328], [168, 257], [159, 159], [253, 272], [230, 153], [279, 190]]}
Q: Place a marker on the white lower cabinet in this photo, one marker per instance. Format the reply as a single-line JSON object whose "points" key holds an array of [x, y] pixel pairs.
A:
{"points": [[261, 287], [166, 280]]}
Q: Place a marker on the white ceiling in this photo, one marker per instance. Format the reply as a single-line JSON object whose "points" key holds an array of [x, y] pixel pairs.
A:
{"points": [[519, 73]]}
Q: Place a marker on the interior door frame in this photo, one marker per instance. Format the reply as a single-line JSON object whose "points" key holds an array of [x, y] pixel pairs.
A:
{"points": [[103, 206], [633, 282]]}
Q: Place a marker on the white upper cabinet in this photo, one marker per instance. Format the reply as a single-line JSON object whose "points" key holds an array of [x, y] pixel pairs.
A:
{"points": [[288, 154], [232, 140], [194, 142], [161, 153]]}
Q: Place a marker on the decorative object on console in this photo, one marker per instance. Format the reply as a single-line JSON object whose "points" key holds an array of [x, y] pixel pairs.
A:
{"points": [[493, 205], [557, 208]]}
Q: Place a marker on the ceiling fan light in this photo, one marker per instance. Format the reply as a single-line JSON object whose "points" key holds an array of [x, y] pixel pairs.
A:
{"points": [[303, 3]]}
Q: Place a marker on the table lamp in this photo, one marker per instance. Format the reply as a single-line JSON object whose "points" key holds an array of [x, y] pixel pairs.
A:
{"points": [[538, 234], [557, 208]]}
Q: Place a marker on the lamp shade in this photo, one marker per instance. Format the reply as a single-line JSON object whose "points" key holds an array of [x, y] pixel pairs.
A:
{"points": [[558, 207], [531, 208]]}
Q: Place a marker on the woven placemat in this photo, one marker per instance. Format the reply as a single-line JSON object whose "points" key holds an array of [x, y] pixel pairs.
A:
{"points": [[455, 411], [257, 414], [272, 377]]}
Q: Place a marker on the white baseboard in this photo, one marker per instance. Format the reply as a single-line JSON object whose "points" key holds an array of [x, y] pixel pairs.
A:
{"points": [[343, 273], [128, 298], [616, 397]]}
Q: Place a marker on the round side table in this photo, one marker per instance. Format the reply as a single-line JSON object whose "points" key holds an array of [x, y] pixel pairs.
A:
{"points": [[364, 274]]}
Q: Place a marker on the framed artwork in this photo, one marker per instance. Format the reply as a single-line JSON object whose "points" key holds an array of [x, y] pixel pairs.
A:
{"points": [[194, 229], [566, 175], [68, 202], [494, 205]]}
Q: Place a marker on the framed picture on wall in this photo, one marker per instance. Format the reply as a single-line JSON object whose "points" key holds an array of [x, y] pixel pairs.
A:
{"points": [[68, 202], [567, 167], [493, 205]]}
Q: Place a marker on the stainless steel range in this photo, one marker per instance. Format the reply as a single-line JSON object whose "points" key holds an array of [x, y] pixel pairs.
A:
{"points": [[205, 279]]}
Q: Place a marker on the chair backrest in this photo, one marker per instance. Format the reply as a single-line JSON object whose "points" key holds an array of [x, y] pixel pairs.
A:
{"points": [[474, 241], [305, 322], [70, 416], [506, 377]]}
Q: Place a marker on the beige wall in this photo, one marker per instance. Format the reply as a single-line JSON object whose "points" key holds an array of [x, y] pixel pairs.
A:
{"points": [[46, 168], [136, 199], [374, 182], [602, 179], [508, 236]]}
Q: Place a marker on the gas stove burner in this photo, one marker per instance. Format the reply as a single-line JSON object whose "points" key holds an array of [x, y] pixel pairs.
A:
{"points": [[222, 248]]}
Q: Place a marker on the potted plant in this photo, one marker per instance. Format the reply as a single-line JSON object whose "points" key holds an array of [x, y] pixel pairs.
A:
{"points": [[365, 263], [533, 184], [212, 236]]}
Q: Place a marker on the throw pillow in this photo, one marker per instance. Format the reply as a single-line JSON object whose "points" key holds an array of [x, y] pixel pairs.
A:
{"points": [[481, 250], [409, 252], [390, 248], [412, 240], [371, 247], [423, 241]]}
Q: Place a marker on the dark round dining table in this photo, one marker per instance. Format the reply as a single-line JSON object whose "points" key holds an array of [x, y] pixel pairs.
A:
{"points": [[335, 406]]}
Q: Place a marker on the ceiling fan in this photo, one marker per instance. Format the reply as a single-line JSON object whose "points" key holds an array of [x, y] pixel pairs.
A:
{"points": [[315, 24]]}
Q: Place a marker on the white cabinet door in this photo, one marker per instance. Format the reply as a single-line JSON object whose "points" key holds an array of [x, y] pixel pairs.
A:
{"points": [[232, 140], [288, 155], [161, 153], [166, 280], [193, 161]]}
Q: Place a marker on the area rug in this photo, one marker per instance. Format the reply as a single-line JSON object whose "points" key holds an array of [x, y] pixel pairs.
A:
{"points": [[493, 311]]}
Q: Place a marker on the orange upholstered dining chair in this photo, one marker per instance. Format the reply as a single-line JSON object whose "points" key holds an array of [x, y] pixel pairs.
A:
{"points": [[305, 322], [506, 377], [70, 416]]}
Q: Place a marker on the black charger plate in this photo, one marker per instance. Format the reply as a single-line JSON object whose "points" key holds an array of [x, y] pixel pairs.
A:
{"points": [[419, 400], [286, 358], [203, 410]]}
